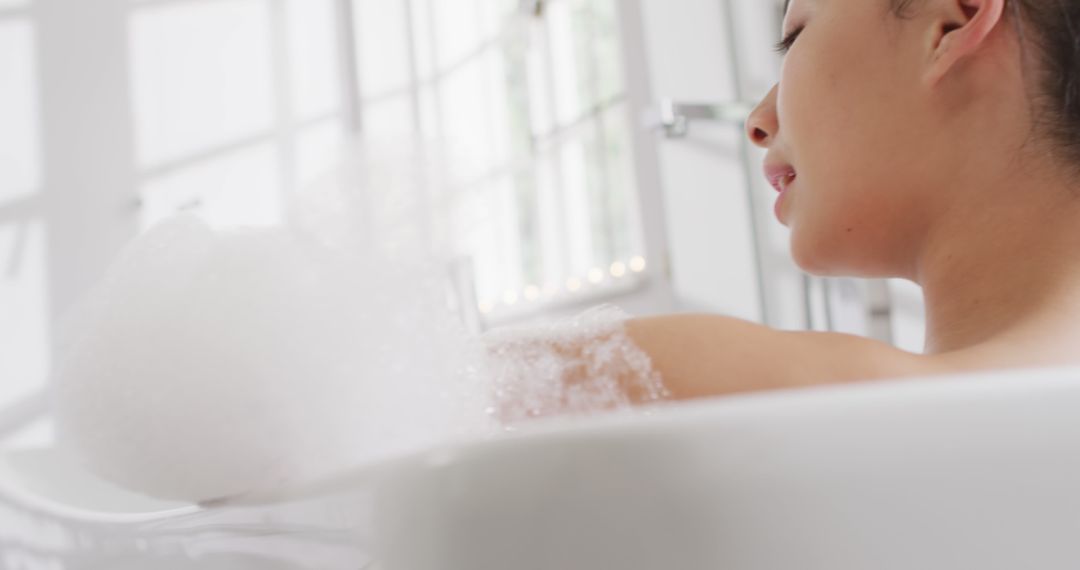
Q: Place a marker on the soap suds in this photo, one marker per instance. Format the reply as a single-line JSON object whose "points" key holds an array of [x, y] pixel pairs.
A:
{"points": [[216, 362], [569, 367], [211, 363]]}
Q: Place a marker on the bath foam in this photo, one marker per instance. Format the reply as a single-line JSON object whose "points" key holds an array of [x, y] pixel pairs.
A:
{"points": [[215, 363], [576, 366]]}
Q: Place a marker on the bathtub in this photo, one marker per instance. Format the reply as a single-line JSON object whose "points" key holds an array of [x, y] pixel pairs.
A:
{"points": [[971, 471]]}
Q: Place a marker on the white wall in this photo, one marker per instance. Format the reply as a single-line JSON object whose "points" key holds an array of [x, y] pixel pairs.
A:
{"points": [[713, 211]]}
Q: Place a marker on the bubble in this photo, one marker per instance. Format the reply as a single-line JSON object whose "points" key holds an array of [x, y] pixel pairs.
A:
{"points": [[577, 366], [214, 362]]}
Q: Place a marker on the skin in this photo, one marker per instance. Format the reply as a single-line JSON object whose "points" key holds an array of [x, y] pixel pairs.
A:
{"points": [[917, 155]]}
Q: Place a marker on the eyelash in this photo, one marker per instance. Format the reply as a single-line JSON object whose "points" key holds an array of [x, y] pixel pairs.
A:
{"points": [[785, 44]]}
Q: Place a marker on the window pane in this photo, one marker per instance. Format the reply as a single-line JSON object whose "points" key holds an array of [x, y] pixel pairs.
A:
{"points": [[497, 98], [603, 31], [553, 240], [317, 151], [477, 235], [313, 56], [542, 115], [242, 188], [475, 116], [619, 199], [383, 44], [390, 119], [527, 212], [577, 207], [586, 54], [424, 38], [508, 233], [24, 329], [519, 104], [496, 15], [430, 121], [458, 31], [201, 76], [567, 58], [489, 229], [19, 152]]}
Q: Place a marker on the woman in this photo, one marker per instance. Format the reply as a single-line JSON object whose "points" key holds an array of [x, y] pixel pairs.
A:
{"points": [[932, 140]]}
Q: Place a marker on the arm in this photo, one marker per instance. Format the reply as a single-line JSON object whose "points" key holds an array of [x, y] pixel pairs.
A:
{"points": [[707, 355], [601, 361]]}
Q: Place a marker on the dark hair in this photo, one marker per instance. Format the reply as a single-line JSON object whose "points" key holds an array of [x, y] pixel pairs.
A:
{"points": [[1054, 27]]}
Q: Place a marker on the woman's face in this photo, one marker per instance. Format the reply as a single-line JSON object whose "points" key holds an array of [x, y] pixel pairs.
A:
{"points": [[851, 137]]}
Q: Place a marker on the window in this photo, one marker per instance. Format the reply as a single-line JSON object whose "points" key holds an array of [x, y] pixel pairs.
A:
{"points": [[19, 148], [533, 111], [231, 124], [24, 303]]}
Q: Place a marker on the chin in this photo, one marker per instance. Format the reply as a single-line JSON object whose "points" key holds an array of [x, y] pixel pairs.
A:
{"points": [[807, 251], [830, 256]]}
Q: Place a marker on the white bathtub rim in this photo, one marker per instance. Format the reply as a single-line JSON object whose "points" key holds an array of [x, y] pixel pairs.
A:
{"points": [[666, 416], [635, 421]]}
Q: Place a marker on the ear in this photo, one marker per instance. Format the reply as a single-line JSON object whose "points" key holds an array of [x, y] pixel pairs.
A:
{"points": [[961, 29]]}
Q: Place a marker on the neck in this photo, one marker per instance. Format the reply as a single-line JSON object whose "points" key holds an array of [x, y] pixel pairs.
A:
{"points": [[1006, 270]]}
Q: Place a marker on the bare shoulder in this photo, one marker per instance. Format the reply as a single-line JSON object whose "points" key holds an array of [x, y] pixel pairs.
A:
{"points": [[708, 355]]}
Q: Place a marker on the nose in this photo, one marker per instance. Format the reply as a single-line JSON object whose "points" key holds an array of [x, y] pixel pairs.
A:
{"points": [[762, 125]]}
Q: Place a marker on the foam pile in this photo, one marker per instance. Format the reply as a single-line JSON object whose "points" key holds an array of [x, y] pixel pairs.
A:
{"points": [[220, 362], [212, 363]]}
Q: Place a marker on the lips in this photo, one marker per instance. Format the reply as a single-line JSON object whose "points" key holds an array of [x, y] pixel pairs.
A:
{"points": [[780, 176]]}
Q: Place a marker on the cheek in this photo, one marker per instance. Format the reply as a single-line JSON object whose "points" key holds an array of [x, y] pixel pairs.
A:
{"points": [[830, 111], [853, 199], [819, 140], [844, 121], [851, 122]]}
